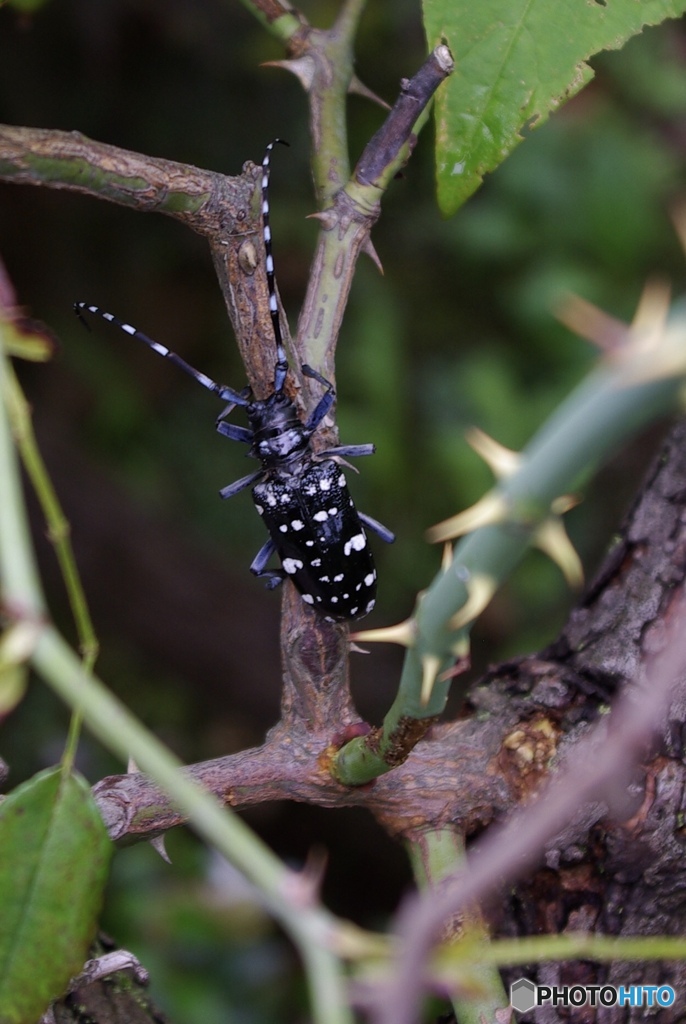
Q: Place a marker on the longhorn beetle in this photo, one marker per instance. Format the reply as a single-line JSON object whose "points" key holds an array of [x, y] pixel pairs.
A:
{"points": [[302, 496]]}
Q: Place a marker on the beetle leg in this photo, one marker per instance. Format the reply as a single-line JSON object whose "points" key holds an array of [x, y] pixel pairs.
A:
{"points": [[239, 485], [379, 529], [258, 566]]}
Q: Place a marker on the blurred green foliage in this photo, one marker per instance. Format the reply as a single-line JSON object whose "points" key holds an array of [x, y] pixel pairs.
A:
{"points": [[458, 331]]}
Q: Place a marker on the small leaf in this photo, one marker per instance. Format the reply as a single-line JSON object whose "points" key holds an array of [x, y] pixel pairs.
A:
{"points": [[54, 855], [515, 62], [28, 339]]}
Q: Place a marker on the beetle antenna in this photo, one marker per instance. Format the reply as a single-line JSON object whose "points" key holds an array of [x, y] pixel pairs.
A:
{"points": [[281, 368]]}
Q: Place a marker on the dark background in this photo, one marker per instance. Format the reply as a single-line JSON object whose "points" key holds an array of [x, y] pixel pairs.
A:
{"points": [[457, 332]]}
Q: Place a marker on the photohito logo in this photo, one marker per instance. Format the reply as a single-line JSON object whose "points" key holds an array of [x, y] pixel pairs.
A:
{"points": [[524, 995]]}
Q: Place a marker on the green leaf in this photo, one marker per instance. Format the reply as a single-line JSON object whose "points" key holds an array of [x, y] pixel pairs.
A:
{"points": [[54, 855], [515, 62]]}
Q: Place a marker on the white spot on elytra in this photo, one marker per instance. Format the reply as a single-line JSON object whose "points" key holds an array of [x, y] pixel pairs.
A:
{"points": [[324, 579], [337, 579], [324, 484], [260, 509], [341, 481], [370, 605], [369, 578], [283, 528], [292, 565], [297, 524], [356, 543], [316, 562], [321, 516], [308, 599], [333, 511]]}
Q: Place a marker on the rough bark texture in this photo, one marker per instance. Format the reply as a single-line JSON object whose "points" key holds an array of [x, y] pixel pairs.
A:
{"points": [[621, 878]]}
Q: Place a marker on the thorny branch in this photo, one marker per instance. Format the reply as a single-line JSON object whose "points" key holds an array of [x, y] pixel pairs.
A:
{"points": [[532, 714], [224, 211], [473, 771]]}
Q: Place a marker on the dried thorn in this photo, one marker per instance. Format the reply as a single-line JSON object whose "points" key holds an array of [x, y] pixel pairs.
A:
{"points": [[430, 666], [302, 67], [488, 511], [370, 251], [158, 844], [651, 314], [502, 461], [403, 633], [590, 322], [551, 538], [360, 89], [480, 590], [565, 503], [327, 218]]}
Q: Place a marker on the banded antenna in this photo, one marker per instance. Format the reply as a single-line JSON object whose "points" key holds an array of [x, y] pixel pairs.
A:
{"points": [[281, 367], [224, 392]]}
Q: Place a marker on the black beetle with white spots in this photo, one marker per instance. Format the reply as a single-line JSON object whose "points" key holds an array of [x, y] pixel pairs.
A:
{"points": [[302, 496]]}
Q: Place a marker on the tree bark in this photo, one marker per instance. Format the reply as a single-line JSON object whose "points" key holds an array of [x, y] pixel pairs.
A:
{"points": [[623, 877]]}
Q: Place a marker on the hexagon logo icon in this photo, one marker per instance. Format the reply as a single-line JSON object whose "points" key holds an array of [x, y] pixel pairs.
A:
{"points": [[523, 995]]}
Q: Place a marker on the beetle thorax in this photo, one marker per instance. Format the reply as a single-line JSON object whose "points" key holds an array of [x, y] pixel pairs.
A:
{"points": [[279, 434]]}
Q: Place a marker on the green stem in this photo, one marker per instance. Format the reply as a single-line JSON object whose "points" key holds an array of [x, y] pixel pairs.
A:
{"points": [[534, 949], [437, 854], [354, 212], [22, 596], [278, 19], [59, 535], [333, 57]]}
